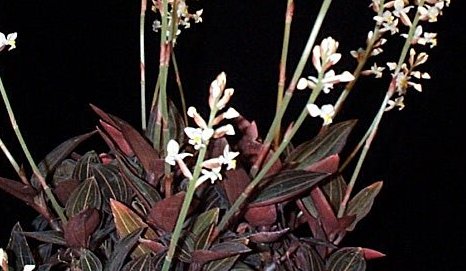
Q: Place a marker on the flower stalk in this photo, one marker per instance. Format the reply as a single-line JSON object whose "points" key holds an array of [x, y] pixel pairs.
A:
{"points": [[372, 131], [291, 87], [58, 209]]}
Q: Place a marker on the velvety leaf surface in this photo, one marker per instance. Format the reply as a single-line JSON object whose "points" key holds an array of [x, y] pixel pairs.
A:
{"points": [[346, 259], [88, 261], [267, 236], [121, 250], [52, 237], [361, 204], [203, 227], [57, 155], [219, 254], [127, 221], [83, 169], [261, 215], [165, 212], [87, 195], [329, 142], [334, 190], [80, 227], [284, 186], [111, 183], [19, 190], [144, 151], [64, 189], [19, 246], [142, 263]]}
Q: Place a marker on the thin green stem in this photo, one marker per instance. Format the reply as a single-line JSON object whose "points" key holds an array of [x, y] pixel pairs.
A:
{"points": [[142, 20], [375, 125], [292, 85], [13, 162], [283, 61], [58, 209], [180, 87], [361, 63], [236, 207], [187, 199]]}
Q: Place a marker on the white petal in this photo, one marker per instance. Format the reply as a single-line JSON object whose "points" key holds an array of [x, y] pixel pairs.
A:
{"points": [[302, 84], [313, 109]]}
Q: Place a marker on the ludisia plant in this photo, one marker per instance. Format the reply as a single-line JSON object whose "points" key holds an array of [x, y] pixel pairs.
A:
{"points": [[188, 191]]}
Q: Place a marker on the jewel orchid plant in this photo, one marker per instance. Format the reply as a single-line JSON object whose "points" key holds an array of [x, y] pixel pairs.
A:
{"points": [[193, 192]]}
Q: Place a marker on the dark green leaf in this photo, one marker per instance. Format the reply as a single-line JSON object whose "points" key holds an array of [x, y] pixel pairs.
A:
{"points": [[334, 190], [143, 189], [142, 263], [52, 237], [89, 261], [83, 169], [87, 195], [176, 125], [346, 259], [307, 258], [111, 183], [221, 265], [121, 250], [330, 141], [285, 185], [240, 266], [20, 248], [203, 227], [361, 204], [57, 155]]}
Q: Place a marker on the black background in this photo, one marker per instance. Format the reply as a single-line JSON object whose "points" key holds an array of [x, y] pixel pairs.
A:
{"points": [[71, 54]]}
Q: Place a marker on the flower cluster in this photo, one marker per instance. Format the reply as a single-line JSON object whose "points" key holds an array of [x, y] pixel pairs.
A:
{"points": [[324, 56], [388, 16], [178, 16], [199, 136]]}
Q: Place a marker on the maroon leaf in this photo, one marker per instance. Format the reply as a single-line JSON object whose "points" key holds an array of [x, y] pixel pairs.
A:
{"points": [[327, 165], [117, 136], [19, 190], [64, 189], [165, 212], [80, 227], [106, 117], [324, 209], [370, 254], [267, 236], [219, 251], [262, 215], [235, 182], [144, 152]]}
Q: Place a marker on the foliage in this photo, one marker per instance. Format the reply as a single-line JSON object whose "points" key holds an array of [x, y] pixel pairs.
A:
{"points": [[188, 193]]}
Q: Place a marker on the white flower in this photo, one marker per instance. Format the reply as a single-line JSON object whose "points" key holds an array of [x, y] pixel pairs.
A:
{"points": [[3, 259], [213, 175], [231, 113], [29, 267], [326, 112], [228, 158], [173, 154], [198, 137], [224, 130], [9, 40], [329, 80]]}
